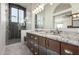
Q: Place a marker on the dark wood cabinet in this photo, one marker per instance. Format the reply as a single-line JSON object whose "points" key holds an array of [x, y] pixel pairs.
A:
{"points": [[40, 45], [28, 35], [29, 45], [67, 49], [42, 41], [42, 51], [36, 39], [54, 45], [78, 50], [35, 49]]}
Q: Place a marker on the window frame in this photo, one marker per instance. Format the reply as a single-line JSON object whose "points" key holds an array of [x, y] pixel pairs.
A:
{"points": [[18, 7]]}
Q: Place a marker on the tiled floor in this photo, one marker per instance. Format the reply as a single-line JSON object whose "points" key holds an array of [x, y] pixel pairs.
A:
{"points": [[17, 49], [12, 41]]}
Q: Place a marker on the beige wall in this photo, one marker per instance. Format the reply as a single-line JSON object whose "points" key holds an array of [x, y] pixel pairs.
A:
{"points": [[75, 7], [2, 28], [29, 16], [48, 17]]}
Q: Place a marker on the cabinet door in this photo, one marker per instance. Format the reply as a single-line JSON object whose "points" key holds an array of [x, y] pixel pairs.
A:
{"points": [[28, 35], [67, 49], [29, 45], [32, 36], [35, 49], [54, 45], [31, 48], [42, 41], [78, 50], [36, 38], [42, 51]]}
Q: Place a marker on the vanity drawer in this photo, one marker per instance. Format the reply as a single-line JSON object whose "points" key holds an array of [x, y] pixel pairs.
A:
{"points": [[36, 38], [29, 45], [42, 51], [32, 36], [28, 35], [67, 49], [42, 41], [78, 50], [35, 50], [53, 45]]}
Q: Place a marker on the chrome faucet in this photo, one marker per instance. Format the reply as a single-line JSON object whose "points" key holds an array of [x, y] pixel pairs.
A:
{"points": [[57, 31]]}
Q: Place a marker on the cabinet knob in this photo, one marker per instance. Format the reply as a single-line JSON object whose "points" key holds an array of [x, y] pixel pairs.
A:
{"points": [[35, 53], [35, 45], [31, 36], [31, 48], [67, 51], [31, 42], [36, 38]]}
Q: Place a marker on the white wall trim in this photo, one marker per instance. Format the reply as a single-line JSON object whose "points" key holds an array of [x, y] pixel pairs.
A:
{"points": [[58, 13]]}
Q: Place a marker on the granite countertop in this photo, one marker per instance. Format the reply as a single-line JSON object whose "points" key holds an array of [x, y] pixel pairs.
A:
{"points": [[58, 37]]}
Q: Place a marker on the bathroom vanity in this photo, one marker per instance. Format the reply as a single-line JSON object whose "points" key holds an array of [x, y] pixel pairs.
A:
{"points": [[47, 44]]}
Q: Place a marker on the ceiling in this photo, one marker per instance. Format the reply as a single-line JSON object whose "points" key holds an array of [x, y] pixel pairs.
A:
{"points": [[29, 6]]}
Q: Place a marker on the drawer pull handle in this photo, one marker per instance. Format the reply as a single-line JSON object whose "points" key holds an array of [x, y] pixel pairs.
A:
{"points": [[67, 51], [31, 48], [31, 36], [36, 38], [35, 45], [31, 42], [36, 53]]}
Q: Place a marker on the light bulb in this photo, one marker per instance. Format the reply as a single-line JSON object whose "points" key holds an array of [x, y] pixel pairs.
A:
{"points": [[74, 15], [41, 7], [78, 15], [39, 10]]}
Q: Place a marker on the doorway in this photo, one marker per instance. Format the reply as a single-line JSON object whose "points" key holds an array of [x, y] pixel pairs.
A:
{"points": [[16, 19]]}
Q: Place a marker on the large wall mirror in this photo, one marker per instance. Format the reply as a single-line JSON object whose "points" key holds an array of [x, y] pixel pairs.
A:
{"points": [[62, 20], [75, 20], [39, 21], [61, 16]]}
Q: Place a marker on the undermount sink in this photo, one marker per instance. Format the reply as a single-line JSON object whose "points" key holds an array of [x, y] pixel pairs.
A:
{"points": [[46, 33], [49, 34], [62, 36]]}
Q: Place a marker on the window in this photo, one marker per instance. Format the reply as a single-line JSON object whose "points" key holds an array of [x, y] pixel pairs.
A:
{"points": [[21, 16], [17, 13], [14, 15]]}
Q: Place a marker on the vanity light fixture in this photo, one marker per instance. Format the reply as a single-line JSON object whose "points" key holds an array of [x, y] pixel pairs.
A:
{"points": [[38, 9], [33, 11], [74, 15], [77, 15]]}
